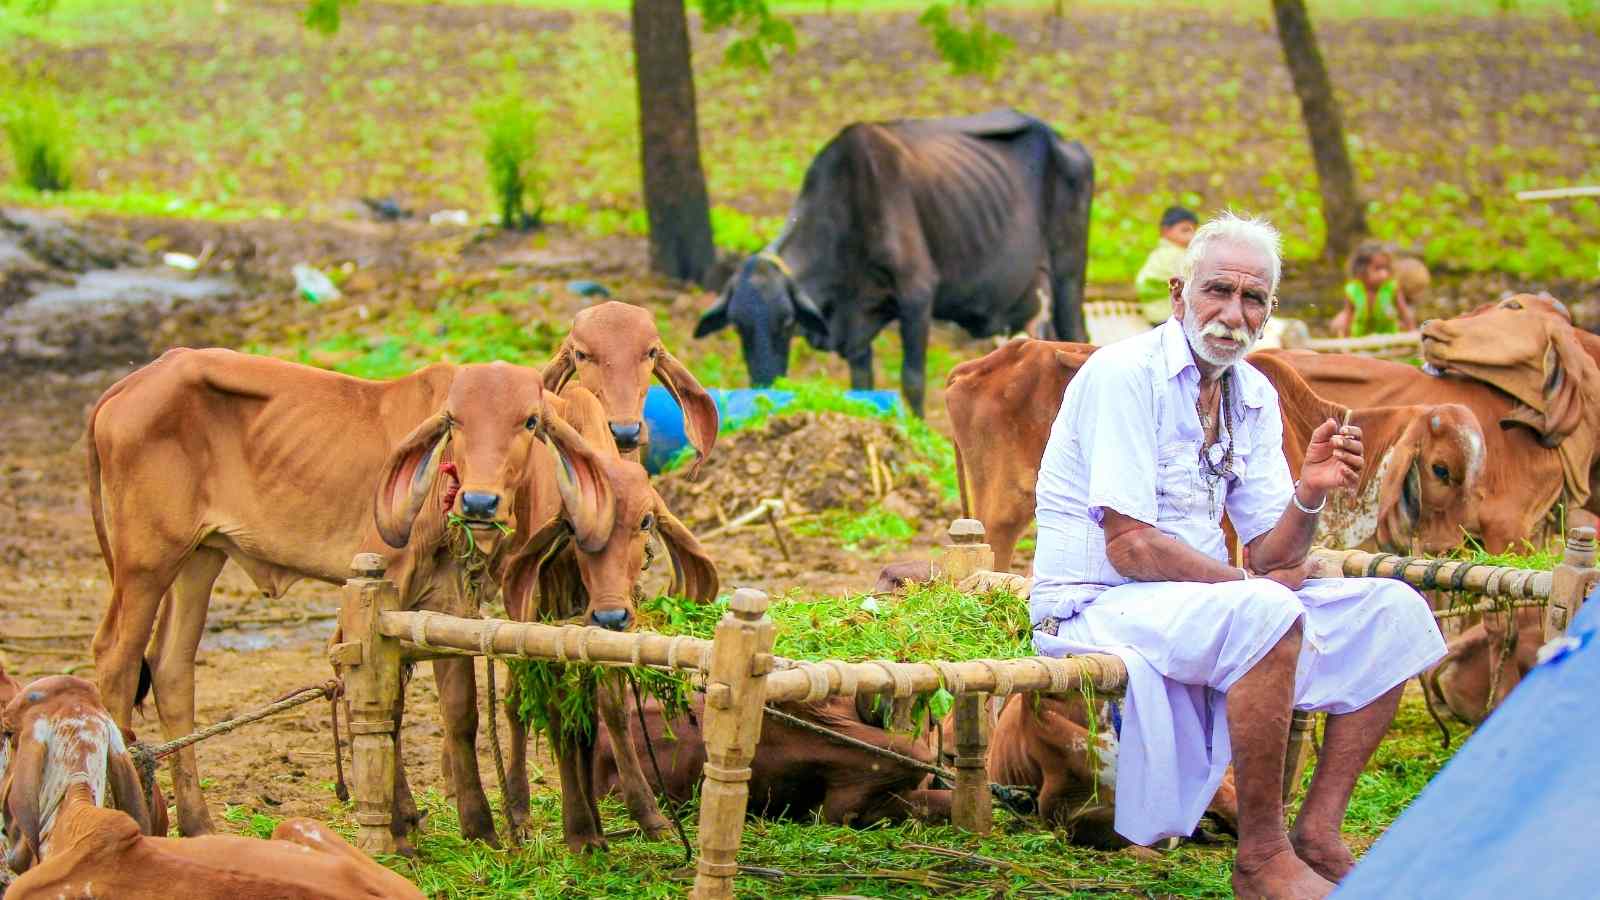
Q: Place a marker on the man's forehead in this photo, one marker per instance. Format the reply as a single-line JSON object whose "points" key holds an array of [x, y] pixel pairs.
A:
{"points": [[1231, 260]]}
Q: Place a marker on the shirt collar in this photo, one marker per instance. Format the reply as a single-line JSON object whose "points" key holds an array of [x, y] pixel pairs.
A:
{"points": [[1253, 387]]}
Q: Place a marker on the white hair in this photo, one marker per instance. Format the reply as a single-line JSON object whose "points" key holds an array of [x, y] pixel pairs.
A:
{"points": [[1228, 228]]}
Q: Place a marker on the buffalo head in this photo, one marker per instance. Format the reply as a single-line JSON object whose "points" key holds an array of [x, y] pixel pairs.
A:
{"points": [[764, 303]]}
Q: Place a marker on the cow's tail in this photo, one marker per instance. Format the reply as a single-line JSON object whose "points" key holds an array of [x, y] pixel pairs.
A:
{"points": [[96, 507]]}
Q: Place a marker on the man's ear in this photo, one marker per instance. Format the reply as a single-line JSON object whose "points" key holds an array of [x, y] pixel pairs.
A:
{"points": [[1175, 290]]}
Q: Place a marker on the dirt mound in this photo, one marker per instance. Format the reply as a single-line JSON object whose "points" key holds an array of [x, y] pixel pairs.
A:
{"points": [[813, 462]]}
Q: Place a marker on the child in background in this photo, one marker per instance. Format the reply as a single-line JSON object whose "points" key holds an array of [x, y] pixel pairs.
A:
{"points": [[1373, 301], [1177, 229]]}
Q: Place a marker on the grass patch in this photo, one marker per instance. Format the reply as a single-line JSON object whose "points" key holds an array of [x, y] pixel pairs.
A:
{"points": [[511, 123], [884, 861], [448, 333], [875, 529], [40, 134]]}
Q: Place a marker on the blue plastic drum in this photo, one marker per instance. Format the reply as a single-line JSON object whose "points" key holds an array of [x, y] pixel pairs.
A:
{"points": [[664, 420]]}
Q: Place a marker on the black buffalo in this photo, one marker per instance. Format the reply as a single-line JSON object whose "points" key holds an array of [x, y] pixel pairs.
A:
{"points": [[971, 220]]}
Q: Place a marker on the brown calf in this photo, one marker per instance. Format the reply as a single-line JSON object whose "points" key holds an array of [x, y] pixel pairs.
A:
{"points": [[1045, 743], [1462, 680], [568, 574], [209, 455], [68, 760], [794, 773], [614, 348], [1422, 492]]}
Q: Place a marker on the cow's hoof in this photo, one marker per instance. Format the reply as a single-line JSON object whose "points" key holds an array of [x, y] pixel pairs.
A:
{"points": [[404, 847], [588, 843]]}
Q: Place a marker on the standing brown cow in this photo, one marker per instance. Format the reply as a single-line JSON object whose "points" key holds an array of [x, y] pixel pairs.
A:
{"points": [[1423, 492], [209, 455], [614, 349]]}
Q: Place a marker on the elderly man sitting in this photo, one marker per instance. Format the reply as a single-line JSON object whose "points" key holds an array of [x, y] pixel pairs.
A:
{"points": [[1157, 436]]}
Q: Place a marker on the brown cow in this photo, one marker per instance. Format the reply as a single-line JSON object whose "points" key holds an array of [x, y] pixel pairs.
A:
{"points": [[569, 574], [1045, 742], [68, 760], [1522, 481], [614, 348], [1003, 405], [1462, 680], [210, 455], [794, 773]]}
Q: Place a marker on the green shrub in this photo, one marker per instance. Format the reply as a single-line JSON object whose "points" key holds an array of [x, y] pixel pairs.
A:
{"points": [[974, 50], [511, 151], [41, 138]]}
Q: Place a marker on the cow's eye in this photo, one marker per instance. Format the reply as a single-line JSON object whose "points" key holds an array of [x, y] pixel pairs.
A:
{"points": [[648, 522], [532, 423], [655, 353], [580, 355], [1512, 304], [1441, 472]]}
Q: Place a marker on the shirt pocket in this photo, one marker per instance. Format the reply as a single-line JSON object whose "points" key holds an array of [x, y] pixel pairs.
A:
{"points": [[1175, 477]]}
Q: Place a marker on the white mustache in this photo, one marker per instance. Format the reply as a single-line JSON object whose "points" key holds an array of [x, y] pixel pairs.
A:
{"points": [[1219, 330]]}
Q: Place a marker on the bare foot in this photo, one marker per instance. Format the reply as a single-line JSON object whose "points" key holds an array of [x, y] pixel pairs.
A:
{"points": [[1325, 854], [1279, 876]]}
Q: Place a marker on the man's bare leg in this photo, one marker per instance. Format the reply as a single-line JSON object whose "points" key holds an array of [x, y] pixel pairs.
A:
{"points": [[1348, 743], [1259, 706]]}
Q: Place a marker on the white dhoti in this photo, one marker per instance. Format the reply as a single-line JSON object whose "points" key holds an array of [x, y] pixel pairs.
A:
{"points": [[1185, 645]]}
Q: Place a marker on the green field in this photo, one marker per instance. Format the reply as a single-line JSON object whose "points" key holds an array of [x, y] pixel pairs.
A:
{"points": [[245, 113]]}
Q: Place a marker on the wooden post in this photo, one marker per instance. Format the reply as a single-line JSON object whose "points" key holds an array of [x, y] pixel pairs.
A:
{"points": [[1294, 760], [372, 684], [1570, 581], [967, 552], [736, 690], [970, 803]]}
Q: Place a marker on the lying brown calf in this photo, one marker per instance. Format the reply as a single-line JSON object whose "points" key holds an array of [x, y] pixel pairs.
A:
{"points": [[1461, 681], [67, 757], [1045, 743], [795, 773]]}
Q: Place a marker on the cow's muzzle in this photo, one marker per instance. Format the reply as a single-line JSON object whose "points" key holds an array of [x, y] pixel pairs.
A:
{"points": [[479, 505], [627, 435]]}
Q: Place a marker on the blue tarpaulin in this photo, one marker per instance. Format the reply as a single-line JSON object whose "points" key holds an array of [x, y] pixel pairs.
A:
{"points": [[1514, 813]]}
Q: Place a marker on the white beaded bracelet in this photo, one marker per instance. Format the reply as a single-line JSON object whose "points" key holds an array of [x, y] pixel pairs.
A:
{"points": [[1294, 497]]}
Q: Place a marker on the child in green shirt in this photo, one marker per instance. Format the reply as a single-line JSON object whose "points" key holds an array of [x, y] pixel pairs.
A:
{"points": [[1177, 229], [1373, 300]]}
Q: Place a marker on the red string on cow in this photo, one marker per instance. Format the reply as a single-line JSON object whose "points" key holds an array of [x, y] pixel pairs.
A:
{"points": [[449, 468]]}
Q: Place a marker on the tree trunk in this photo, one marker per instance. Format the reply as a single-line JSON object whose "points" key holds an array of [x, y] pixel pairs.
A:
{"points": [[674, 184], [1342, 210]]}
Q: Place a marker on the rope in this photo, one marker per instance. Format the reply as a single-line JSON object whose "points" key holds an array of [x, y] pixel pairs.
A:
{"points": [[661, 783], [1475, 608], [142, 752]]}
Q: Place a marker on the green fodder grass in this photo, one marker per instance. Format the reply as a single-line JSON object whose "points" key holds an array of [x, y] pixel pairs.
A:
{"points": [[511, 124]]}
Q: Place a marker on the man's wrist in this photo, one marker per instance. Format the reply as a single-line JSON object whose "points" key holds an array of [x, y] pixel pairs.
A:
{"points": [[1310, 505]]}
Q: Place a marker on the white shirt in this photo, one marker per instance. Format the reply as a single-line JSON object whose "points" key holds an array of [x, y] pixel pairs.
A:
{"points": [[1128, 439]]}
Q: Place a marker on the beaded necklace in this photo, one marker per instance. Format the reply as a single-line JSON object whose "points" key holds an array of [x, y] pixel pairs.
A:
{"points": [[1216, 458]]}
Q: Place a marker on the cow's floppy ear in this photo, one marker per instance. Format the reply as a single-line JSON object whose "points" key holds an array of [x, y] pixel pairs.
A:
{"points": [[1400, 492], [558, 370], [127, 793], [694, 575], [408, 478], [699, 411], [1567, 369], [806, 311], [716, 318], [20, 798], [523, 586], [581, 478]]}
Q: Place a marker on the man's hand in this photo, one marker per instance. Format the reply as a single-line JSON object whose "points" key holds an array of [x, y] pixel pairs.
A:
{"points": [[1333, 460], [1291, 577]]}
